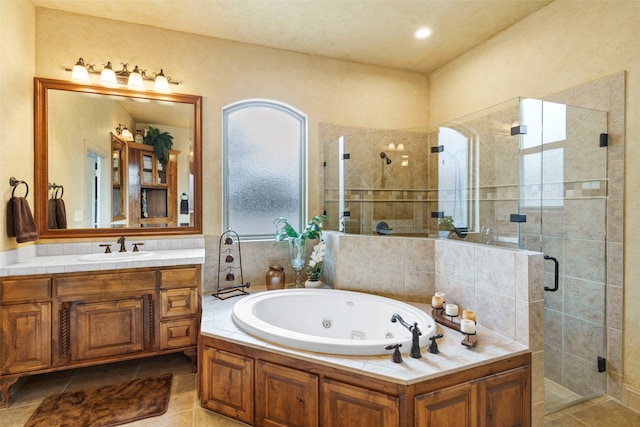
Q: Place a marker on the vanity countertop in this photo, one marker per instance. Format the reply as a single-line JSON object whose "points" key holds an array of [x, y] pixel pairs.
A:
{"points": [[52, 264], [491, 347]]}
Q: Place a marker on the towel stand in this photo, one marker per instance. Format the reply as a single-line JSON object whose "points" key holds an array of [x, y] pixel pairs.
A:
{"points": [[14, 183]]}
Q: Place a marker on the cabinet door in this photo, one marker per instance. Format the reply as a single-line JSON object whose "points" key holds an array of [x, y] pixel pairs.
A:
{"points": [[107, 328], [451, 407], [348, 406], [285, 397], [227, 384], [26, 337], [505, 399]]}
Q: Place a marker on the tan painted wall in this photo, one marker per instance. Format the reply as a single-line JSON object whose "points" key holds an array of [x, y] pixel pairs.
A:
{"points": [[224, 72], [17, 66], [565, 44]]}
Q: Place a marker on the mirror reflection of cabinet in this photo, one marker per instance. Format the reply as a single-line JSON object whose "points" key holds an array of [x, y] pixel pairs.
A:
{"points": [[118, 181], [153, 188]]}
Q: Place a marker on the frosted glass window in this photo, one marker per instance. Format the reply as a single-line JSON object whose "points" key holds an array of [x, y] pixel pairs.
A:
{"points": [[264, 167]]}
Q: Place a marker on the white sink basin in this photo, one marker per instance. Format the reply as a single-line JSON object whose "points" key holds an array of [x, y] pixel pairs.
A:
{"points": [[115, 256]]}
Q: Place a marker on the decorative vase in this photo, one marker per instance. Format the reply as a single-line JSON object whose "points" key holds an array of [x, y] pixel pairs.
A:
{"points": [[298, 256], [275, 278], [313, 284]]}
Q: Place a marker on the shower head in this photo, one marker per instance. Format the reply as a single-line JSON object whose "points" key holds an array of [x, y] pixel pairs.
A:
{"points": [[383, 155]]}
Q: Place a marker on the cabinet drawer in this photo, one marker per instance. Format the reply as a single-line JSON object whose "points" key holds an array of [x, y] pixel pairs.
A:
{"points": [[102, 283], [178, 278], [25, 289], [178, 302], [178, 333]]}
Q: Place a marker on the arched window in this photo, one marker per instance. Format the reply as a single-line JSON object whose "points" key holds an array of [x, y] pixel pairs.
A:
{"points": [[264, 167]]}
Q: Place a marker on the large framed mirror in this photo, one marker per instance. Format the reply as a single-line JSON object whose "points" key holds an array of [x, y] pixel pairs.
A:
{"points": [[112, 161]]}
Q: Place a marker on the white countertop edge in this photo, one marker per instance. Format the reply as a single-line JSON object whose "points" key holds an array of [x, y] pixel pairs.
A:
{"points": [[70, 263]]}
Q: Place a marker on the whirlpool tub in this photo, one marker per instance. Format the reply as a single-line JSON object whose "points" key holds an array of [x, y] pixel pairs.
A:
{"points": [[330, 321]]}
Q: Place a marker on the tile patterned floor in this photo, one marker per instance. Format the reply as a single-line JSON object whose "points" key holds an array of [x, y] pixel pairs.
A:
{"points": [[184, 407]]}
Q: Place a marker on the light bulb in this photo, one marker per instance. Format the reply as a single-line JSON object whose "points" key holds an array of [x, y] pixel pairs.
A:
{"points": [[108, 76], [79, 73], [135, 80], [162, 83]]}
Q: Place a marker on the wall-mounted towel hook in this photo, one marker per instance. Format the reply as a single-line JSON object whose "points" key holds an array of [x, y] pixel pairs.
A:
{"points": [[14, 183]]}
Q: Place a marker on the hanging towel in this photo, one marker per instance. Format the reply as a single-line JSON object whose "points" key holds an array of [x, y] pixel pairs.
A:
{"points": [[184, 207], [52, 223], [184, 204], [61, 214], [20, 223]]}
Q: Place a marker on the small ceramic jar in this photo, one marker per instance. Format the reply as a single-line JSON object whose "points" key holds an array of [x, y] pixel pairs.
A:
{"points": [[275, 277]]}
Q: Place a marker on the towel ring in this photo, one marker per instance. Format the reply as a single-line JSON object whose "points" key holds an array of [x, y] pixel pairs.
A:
{"points": [[55, 187], [15, 183]]}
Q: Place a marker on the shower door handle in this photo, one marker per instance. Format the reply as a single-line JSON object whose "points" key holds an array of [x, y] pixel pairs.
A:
{"points": [[556, 276]]}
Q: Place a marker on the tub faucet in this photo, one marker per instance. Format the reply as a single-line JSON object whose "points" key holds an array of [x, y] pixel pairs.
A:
{"points": [[415, 333], [121, 242]]}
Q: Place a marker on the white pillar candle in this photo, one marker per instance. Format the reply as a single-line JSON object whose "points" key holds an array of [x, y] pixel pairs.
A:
{"points": [[467, 326], [451, 310], [436, 302], [469, 314], [441, 295]]}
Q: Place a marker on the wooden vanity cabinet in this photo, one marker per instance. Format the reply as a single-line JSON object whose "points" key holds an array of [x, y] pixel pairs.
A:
{"points": [[263, 388], [60, 321]]}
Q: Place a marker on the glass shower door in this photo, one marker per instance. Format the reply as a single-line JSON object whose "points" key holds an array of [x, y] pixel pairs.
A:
{"points": [[563, 189]]}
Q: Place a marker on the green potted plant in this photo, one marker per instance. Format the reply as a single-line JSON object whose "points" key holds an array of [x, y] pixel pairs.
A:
{"points": [[297, 240], [161, 142]]}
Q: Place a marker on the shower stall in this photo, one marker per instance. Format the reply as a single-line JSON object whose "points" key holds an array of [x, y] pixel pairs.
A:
{"points": [[526, 174]]}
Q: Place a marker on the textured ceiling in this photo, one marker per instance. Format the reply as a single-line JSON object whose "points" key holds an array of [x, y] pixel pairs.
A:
{"points": [[368, 31]]}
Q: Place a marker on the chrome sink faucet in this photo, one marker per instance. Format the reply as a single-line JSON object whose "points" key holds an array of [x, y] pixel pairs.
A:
{"points": [[121, 242], [415, 335]]}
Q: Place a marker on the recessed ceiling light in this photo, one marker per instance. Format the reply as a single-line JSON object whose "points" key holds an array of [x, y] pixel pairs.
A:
{"points": [[423, 33]]}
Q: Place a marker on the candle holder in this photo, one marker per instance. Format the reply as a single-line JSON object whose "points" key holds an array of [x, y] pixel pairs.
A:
{"points": [[438, 314], [470, 340]]}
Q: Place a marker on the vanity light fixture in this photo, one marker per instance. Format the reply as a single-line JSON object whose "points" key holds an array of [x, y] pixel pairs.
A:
{"points": [[393, 147], [111, 78], [124, 133]]}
